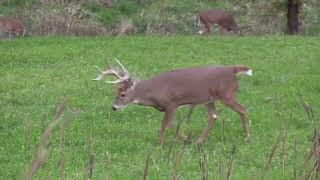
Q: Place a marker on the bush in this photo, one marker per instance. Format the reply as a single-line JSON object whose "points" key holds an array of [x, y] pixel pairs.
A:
{"points": [[49, 19], [108, 16]]}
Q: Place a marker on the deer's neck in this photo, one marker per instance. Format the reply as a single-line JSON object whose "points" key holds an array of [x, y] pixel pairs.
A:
{"points": [[142, 94]]}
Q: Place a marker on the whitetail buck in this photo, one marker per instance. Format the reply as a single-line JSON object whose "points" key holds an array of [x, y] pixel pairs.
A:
{"points": [[12, 27], [212, 17], [191, 86]]}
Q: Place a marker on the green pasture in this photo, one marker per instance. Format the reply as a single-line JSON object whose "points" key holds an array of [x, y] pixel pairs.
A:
{"points": [[36, 74]]}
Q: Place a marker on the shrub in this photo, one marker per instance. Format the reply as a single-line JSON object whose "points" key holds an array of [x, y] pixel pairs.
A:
{"points": [[52, 18]]}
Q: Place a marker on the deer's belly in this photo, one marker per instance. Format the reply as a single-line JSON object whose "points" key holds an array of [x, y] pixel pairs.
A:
{"points": [[193, 100]]}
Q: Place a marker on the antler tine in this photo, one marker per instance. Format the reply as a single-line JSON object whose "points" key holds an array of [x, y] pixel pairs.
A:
{"points": [[107, 72], [120, 78], [114, 82], [100, 76], [101, 71], [112, 71], [123, 68]]}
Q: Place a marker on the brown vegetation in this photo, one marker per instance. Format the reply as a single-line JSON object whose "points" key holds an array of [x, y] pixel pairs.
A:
{"points": [[58, 19]]}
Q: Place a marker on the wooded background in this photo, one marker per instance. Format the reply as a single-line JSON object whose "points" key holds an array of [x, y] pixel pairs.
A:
{"points": [[122, 17]]}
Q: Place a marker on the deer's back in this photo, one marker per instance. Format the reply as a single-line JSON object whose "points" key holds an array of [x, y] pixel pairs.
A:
{"points": [[213, 15], [195, 73], [217, 16], [11, 25]]}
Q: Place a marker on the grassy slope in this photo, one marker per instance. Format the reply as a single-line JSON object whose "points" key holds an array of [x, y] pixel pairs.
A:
{"points": [[35, 74]]}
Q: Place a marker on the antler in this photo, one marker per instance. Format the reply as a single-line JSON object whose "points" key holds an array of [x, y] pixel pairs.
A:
{"points": [[111, 71], [123, 68]]}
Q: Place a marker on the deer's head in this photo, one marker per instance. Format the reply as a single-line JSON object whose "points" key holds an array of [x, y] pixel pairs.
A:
{"points": [[124, 82]]}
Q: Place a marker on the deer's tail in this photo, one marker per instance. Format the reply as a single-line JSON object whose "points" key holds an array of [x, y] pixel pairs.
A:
{"points": [[241, 69]]}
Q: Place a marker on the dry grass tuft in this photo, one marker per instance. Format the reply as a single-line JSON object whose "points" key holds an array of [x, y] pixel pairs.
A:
{"points": [[42, 152]]}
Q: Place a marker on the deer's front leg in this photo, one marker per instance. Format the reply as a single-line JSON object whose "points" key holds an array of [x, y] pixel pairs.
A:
{"points": [[169, 113]]}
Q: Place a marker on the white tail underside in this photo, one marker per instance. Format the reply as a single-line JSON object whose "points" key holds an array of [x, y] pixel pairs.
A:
{"points": [[248, 73]]}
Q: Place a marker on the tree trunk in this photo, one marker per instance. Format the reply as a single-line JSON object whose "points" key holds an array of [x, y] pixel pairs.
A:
{"points": [[293, 16]]}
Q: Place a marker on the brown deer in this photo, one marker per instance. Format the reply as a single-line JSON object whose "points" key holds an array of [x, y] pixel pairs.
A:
{"points": [[11, 26], [191, 86], [212, 17]]}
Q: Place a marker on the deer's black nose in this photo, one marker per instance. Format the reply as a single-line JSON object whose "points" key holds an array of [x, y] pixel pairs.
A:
{"points": [[114, 108]]}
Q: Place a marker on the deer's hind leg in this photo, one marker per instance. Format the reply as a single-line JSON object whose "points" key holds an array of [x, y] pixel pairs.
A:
{"points": [[211, 119], [233, 104]]}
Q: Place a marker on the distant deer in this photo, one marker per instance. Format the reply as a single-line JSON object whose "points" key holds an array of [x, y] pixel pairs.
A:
{"points": [[212, 17], [191, 86], [11, 26]]}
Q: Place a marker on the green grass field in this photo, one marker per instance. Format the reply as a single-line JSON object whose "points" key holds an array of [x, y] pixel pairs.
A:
{"points": [[37, 73]]}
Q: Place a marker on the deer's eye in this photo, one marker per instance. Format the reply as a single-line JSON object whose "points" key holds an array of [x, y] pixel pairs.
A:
{"points": [[122, 95]]}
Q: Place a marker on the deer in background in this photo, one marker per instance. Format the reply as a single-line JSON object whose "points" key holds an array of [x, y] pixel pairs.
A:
{"points": [[190, 86], [12, 27], [212, 17]]}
